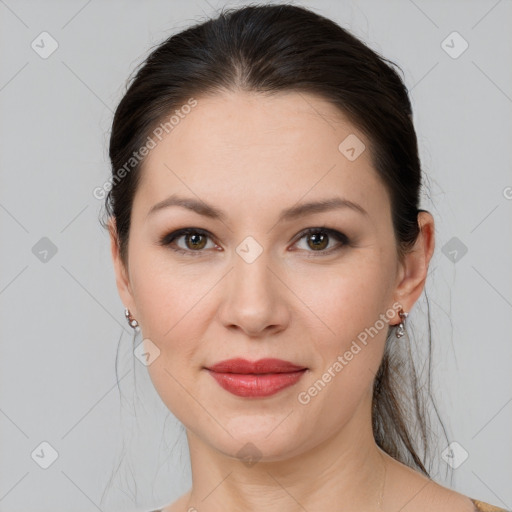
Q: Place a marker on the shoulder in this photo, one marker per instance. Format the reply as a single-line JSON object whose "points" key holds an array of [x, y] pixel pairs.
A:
{"points": [[481, 506]]}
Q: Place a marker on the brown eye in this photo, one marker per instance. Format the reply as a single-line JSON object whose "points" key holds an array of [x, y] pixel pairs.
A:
{"points": [[318, 241], [197, 241]]}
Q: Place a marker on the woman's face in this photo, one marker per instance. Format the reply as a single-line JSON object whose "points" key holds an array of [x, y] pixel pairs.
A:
{"points": [[251, 284]]}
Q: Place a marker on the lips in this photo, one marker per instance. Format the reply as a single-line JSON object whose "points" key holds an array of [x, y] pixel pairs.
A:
{"points": [[260, 378], [257, 367]]}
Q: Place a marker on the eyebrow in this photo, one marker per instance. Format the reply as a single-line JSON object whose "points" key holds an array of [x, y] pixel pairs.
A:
{"points": [[300, 210]]}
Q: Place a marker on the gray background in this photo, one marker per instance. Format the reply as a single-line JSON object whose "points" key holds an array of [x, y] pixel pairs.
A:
{"points": [[61, 317]]}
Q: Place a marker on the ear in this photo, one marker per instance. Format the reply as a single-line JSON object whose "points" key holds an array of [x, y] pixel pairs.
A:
{"points": [[413, 271], [122, 278]]}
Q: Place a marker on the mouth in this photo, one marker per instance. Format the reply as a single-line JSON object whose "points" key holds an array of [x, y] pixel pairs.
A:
{"points": [[261, 378]]}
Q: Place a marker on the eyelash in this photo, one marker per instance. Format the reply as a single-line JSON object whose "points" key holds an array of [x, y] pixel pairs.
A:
{"points": [[167, 240]]}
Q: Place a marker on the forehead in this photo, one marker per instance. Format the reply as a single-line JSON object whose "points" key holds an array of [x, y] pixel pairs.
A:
{"points": [[259, 150]]}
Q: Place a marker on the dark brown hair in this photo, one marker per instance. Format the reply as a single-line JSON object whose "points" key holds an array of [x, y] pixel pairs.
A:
{"points": [[269, 49]]}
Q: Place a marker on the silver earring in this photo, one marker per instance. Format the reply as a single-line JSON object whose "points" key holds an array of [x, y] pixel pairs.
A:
{"points": [[401, 328], [133, 323]]}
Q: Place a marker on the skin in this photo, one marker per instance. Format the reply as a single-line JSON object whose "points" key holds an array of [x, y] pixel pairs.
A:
{"points": [[253, 156]]}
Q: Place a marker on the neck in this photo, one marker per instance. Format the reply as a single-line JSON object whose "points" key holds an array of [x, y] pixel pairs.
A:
{"points": [[346, 470]]}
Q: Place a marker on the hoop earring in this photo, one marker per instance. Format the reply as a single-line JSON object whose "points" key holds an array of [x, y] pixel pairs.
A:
{"points": [[401, 327], [133, 323]]}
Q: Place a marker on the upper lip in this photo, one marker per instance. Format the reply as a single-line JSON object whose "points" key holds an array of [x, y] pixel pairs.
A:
{"points": [[239, 365]]}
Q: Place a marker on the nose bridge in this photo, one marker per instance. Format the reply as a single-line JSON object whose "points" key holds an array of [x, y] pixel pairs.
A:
{"points": [[253, 300], [251, 276]]}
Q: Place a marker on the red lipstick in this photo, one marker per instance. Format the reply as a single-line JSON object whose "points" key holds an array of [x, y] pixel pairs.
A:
{"points": [[260, 378]]}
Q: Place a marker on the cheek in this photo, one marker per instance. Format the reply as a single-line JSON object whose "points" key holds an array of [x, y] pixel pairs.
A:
{"points": [[168, 295], [170, 299], [345, 303], [352, 305]]}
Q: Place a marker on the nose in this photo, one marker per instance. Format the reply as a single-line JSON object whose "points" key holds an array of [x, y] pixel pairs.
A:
{"points": [[255, 297]]}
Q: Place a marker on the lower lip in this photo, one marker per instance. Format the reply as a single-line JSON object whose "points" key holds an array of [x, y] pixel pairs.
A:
{"points": [[252, 385]]}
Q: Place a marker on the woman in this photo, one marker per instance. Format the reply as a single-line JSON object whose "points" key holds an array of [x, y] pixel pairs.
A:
{"points": [[268, 243]]}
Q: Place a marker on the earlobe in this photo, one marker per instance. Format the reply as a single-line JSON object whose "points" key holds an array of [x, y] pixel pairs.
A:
{"points": [[413, 272]]}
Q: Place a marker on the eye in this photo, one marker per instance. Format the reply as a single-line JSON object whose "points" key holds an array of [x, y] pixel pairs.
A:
{"points": [[195, 240], [318, 239]]}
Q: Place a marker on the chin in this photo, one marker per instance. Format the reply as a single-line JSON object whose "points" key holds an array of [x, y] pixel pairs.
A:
{"points": [[259, 438]]}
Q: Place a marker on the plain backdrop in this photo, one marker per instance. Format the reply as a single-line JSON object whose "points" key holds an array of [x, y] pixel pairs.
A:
{"points": [[61, 318]]}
